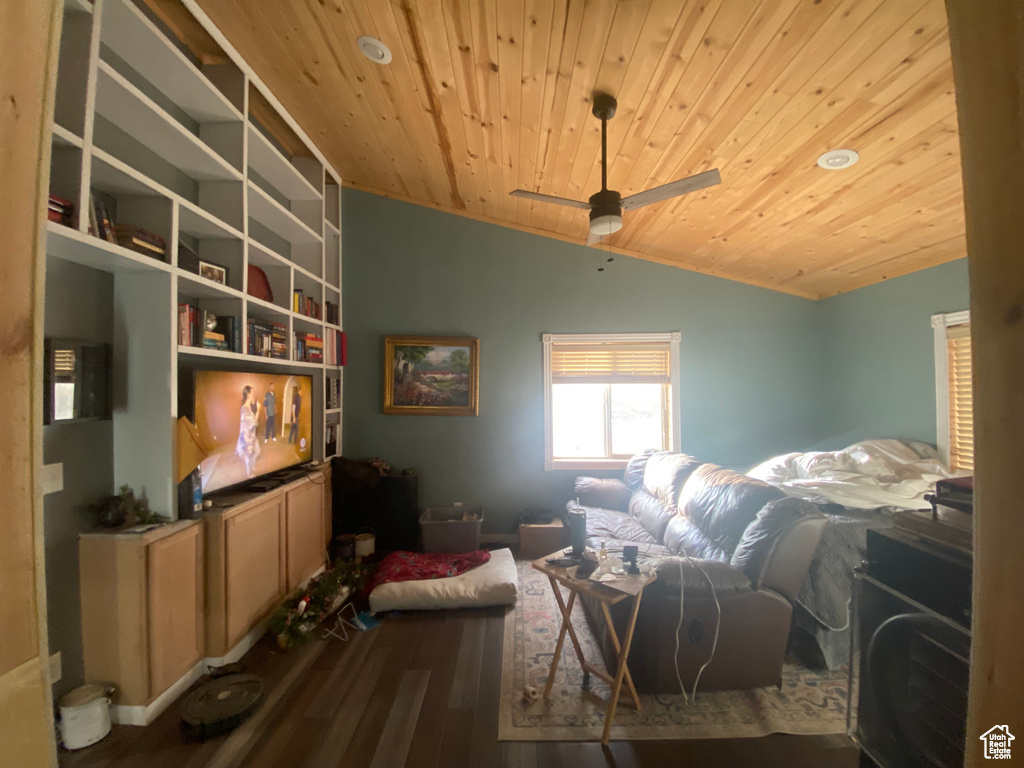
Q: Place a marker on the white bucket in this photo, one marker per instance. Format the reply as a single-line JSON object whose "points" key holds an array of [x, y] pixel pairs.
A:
{"points": [[365, 543], [84, 716]]}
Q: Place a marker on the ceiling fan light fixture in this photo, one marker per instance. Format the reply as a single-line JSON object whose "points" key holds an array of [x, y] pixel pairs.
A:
{"points": [[374, 49], [837, 159], [605, 225]]}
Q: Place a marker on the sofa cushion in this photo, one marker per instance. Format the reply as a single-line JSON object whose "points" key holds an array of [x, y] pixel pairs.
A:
{"points": [[699, 576], [665, 475], [715, 507], [607, 524], [602, 492], [633, 477], [650, 513]]}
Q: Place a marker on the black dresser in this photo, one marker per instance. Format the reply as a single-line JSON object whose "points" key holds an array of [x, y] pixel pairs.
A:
{"points": [[910, 657]]}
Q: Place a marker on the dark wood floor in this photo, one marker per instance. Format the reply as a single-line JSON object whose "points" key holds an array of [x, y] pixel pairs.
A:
{"points": [[419, 691]]}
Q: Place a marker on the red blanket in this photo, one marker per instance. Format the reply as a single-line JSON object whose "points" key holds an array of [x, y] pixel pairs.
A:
{"points": [[419, 566]]}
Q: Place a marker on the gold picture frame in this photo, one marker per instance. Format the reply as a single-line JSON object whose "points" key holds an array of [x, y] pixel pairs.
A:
{"points": [[432, 375]]}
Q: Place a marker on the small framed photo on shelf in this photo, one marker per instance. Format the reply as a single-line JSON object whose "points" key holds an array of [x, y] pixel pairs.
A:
{"points": [[431, 375], [213, 272]]}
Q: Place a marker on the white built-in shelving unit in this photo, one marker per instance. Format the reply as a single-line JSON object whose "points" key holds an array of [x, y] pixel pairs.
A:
{"points": [[171, 145]]}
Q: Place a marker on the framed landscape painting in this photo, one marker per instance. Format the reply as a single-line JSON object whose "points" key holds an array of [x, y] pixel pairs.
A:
{"points": [[431, 375]]}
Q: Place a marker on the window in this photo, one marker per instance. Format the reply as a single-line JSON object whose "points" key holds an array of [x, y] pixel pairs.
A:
{"points": [[953, 395], [607, 397]]}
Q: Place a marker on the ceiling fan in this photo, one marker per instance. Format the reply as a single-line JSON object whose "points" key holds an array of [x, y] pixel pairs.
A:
{"points": [[606, 206]]}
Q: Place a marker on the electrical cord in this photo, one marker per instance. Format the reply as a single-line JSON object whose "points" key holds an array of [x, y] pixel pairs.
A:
{"points": [[679, 624], [718, 624]]}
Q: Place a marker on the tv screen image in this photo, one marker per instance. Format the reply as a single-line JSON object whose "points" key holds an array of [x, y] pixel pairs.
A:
{"points": [[252, 423]]}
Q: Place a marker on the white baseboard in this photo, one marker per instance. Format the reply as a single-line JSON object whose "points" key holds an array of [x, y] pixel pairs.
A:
{"points": [[144, 714], [239, 650]]}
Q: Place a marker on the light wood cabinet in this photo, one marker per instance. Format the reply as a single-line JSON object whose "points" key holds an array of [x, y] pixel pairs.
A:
{"points": [[259, 547], [155, 604], [304, 510], [176, 621], [142, 608], [245, 558]]}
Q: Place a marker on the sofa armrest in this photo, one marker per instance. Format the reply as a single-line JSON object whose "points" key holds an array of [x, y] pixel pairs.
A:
{"points": [[698, 576], [603, 493], [777, 547]]}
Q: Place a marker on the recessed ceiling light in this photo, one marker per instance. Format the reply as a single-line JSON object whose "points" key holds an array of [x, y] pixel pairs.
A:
{"points": [[838, 158], [374, 50]]}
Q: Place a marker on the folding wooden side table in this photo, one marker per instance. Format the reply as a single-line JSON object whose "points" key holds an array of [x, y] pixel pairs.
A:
{"points": [[606, 596]]}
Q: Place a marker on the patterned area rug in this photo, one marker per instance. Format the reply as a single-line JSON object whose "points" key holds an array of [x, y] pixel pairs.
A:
{"points": [[810, 702]]}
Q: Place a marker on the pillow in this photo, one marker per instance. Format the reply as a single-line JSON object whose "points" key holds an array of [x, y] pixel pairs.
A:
{"points": [[496, 582]]}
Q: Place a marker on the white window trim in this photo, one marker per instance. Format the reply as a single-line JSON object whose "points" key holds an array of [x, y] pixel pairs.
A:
{"points": [[672, 337], [939, 325]]}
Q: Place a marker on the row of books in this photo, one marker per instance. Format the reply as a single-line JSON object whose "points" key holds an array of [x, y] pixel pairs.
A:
{"points": [[332, 313], [199, 328], [309, 348], [267, 339], [305, 305], [61, 211], [334, 347], [130, 236], [332, 393]]}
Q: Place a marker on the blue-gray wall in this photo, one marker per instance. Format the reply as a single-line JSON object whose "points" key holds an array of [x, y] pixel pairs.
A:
{"points": [[79, 305], [762, 372], [878, 358], [749, 381]]}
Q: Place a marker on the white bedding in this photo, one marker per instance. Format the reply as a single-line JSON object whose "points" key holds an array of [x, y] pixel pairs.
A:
{"points": [[496, 582], [866, 475]]}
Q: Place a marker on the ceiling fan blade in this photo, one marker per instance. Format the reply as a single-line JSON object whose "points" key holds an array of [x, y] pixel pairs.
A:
{"points": [[549, 199], [673, 189], [594, 239]]}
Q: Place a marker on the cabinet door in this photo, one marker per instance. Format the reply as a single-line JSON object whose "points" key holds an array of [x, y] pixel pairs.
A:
{"points": [[305, 527], [253, 567], [175, 592]]}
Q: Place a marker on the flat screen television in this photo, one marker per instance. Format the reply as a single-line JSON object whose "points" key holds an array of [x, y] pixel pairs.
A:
{"points": [[252, 423]]}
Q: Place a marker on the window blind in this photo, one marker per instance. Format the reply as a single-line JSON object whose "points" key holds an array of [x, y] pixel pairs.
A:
{"points": [[961, 415], [609, 363]]}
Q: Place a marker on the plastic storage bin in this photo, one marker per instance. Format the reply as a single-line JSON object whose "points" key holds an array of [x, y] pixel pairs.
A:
{"points": [[446, 530]]}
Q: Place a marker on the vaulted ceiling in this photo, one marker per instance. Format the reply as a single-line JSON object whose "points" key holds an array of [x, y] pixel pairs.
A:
{"points": [[486, 96]]}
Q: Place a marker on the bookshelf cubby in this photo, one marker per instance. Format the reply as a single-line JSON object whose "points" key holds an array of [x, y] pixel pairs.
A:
{"points": [[201, 156]]}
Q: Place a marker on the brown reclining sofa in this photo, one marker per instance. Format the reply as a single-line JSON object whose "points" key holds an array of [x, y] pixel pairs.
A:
{"points": [[754, 543]]}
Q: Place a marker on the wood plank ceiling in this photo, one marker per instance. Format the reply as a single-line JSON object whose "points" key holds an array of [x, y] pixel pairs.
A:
{"points": [[486, 96]]}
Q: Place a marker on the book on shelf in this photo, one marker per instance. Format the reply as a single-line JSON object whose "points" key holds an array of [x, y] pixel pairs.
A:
{"points": [[266, 338], [334, 347], [331, 439], [332, 393], [60, 210], [309, 348], [188, 259], [100, 220], [140, 240], [305, 305], [130, 236], [192, 329], [331, 313]]}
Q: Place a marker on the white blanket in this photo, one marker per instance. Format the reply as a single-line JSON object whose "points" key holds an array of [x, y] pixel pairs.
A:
{"points": [[496, 582], [866, 475]]}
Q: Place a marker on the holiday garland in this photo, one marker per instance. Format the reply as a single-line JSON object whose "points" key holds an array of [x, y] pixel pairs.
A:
{"points": [[297, 617]]}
